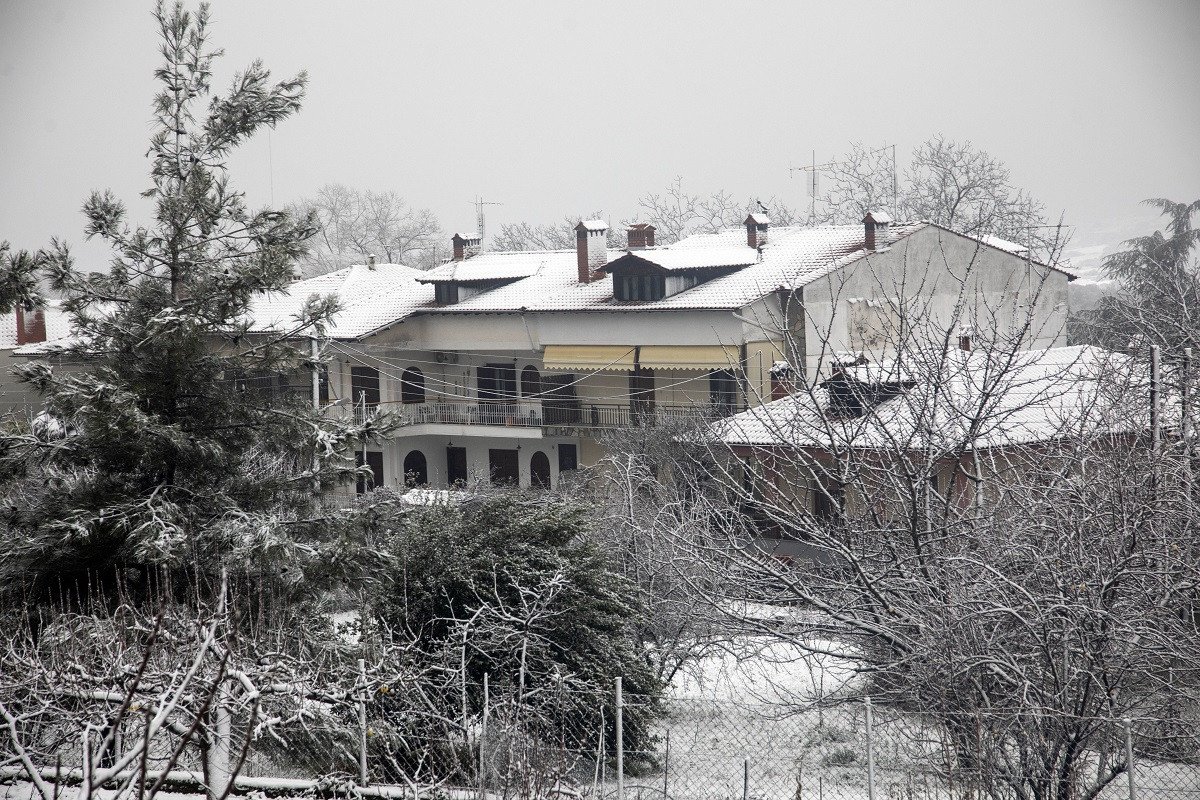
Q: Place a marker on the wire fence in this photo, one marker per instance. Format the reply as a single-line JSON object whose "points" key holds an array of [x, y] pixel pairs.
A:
{"points": [[578, 742]]}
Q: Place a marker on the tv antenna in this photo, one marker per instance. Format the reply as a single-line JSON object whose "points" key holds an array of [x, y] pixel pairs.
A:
{"points": [[479, 204], [812, 182]]}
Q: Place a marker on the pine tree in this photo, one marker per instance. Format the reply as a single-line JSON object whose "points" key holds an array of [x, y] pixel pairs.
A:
{"points": [[163, 448]]}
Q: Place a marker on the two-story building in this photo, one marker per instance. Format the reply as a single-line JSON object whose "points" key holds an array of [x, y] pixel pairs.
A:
{"points": [[509, 364]]}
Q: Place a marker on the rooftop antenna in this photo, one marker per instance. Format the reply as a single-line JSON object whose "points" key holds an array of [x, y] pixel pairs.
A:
{"points": [[812, 183], [479, 204]]}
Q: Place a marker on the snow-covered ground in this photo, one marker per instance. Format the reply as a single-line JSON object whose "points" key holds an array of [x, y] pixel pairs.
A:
{"points": [[764, 670]]}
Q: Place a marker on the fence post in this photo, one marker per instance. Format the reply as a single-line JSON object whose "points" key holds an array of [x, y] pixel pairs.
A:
{"points": [[1130, 767], [362, 722], [620, 743], [746, 778], [870, 753], [667, 763], [483, 736]]}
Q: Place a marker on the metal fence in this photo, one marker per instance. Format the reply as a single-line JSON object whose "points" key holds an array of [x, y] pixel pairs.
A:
{"points": [[576, 743]]}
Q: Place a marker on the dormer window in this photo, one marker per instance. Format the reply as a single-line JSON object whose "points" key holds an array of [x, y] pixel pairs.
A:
{"points": [[639, 287], [445, 294]]}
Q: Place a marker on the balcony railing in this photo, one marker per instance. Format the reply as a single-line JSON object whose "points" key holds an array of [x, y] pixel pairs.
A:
{"points": [[537, 415]]}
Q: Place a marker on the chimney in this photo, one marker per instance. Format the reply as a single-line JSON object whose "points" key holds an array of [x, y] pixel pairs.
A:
{"points": [[756, 230], [371, 262], [465, 246], [591, 248], [781, 380], [31, 326], [876, 230], [640, 235]]}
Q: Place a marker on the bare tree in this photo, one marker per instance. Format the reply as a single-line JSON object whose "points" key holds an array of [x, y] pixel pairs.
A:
{"points": [[650, 487], [352, 224], [523, 236], [991, 536], [677, 214], [858, 181], [948, 182]]}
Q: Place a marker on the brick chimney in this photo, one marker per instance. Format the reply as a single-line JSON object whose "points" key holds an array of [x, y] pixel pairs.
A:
{"points": [[31, 326], [781, 380], [591, 248], [641, 235], [875, 225], [757, 226], [465, 246]]}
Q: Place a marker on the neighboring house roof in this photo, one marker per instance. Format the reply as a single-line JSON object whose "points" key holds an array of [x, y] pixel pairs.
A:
{"points": [[371, 298], [500, 265], [548, 280], [1022, 398], [685, 258], [792, 258], [58, 328]]}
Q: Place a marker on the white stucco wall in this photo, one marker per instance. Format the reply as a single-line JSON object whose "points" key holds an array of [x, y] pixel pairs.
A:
{"points": [[958, 284]]}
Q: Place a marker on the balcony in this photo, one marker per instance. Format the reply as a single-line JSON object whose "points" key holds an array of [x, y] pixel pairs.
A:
{"points": [[540, 415]]}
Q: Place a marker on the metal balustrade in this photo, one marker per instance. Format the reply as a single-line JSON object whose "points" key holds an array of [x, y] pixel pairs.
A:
{"points": [[537, 415]]}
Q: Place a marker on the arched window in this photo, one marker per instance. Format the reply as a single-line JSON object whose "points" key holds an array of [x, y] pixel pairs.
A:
{"points": [[539, 471], [412, 386], [416, 473], [531, 381]]}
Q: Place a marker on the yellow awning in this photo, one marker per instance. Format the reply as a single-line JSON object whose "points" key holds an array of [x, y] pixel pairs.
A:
{"points": [[696, 356], [587, 357]]}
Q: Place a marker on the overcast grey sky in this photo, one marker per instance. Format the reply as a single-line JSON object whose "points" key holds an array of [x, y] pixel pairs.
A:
{"points": [[560, 108]]}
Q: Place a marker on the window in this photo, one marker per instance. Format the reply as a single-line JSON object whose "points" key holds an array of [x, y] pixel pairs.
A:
{"points": [[560, 406], [323, 385], [568, 457], [456, 465], [416, 471], [504, 466], [375, 461], [639, 287], [445, 294], [364, 383], [723, 391], [412, 386], [498, 382], [531, 382], [539, 471]]}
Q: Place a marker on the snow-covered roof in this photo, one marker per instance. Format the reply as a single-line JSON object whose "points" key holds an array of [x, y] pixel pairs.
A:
{"points": [[758, 219], [686, 258], [58, 327], [1004, 244], [1022, 398], [371, 299], [592, 225], [793, 258], [548, 280], [499, 265]]}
